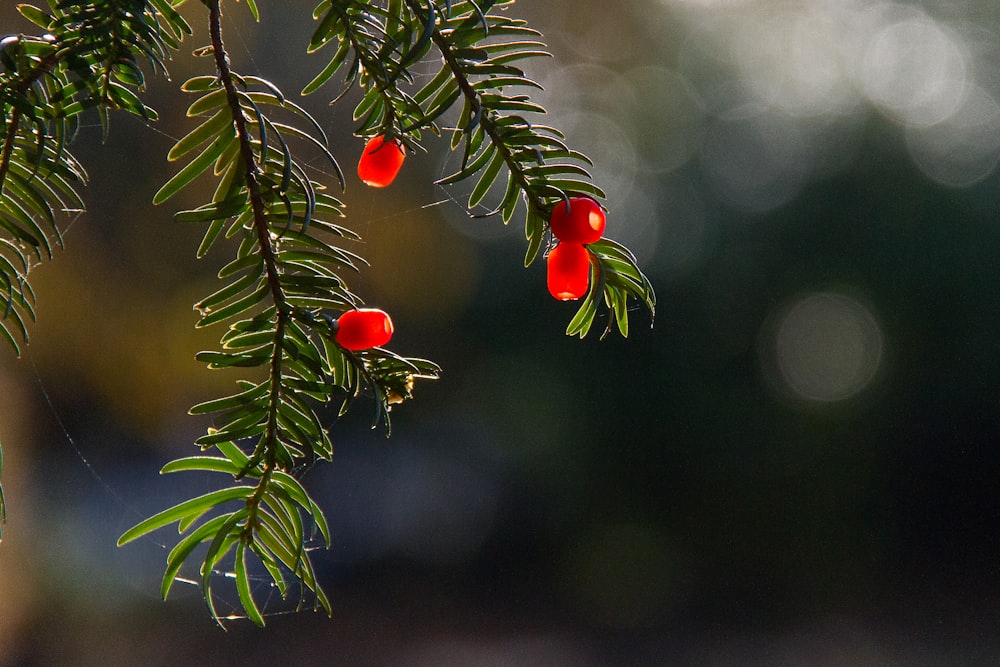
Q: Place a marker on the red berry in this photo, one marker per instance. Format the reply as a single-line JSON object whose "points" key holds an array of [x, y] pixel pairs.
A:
{"points": [[584, 222], [380, 161], [568, 267], [363, 329]]}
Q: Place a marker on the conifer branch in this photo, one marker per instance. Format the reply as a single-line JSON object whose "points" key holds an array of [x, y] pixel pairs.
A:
{"points": [[263, 233], [540, 167], [283, 282], [261, 229]]}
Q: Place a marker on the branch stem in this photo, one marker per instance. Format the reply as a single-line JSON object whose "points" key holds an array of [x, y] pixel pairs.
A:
{"points": [[486, 121], [8, 147], [264, 242]]}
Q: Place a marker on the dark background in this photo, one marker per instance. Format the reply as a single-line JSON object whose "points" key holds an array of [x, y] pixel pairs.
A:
{"points": [[796, 465]]}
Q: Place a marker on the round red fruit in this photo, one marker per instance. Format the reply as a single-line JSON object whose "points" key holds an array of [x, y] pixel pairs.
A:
{"points": [[582, 222], [568, 271], [363, 329], [381, 161]]}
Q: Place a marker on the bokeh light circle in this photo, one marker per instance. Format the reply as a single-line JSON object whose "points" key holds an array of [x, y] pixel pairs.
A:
{"points": [[963, 149], [916, 71], [822, 347]]}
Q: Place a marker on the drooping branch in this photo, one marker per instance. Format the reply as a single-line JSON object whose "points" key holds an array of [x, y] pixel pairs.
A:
{"points": [[282, 310], [493, 114]]}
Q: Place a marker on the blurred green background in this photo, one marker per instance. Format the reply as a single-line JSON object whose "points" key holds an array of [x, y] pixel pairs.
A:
{"points": [[797, 465]]}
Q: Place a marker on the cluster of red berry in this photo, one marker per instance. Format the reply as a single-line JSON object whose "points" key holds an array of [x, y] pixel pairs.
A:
{"points": [[575, 223]]}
